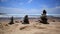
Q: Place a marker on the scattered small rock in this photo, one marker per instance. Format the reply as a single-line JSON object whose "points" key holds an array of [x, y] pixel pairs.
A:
{"points": [[53, 20], [17, 21], [23, 27]]}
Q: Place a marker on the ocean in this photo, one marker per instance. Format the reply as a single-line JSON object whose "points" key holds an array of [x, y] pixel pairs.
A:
{"points": [[29, 15]]}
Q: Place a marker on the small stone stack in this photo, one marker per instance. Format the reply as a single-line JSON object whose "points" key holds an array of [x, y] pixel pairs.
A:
{"points": [[26, 20], [44, 18], [12, 21]]}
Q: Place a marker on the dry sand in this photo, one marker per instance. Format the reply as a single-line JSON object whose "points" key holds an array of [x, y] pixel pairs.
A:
{"points": [[33, 28]]}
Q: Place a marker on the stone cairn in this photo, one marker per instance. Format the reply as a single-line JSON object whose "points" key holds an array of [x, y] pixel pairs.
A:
{"points": [[12, 21], [44, 18], [26, 20]]}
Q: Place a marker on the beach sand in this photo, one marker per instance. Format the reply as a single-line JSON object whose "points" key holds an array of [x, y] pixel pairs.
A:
{"points": [[33, 28]]}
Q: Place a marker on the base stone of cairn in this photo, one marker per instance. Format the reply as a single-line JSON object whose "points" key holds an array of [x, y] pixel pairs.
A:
{"points": [[44, 18], [26, 20], [12, 21]]}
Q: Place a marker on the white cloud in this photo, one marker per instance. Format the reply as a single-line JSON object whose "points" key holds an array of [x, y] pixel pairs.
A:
{"points": [[21, 3], [29, 1], [29, 11], [3, 0], [19, 10], [57, 6], [55, 10]]}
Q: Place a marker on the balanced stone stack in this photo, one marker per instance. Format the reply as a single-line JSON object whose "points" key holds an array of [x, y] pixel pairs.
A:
{"points": [[11, 22], [26, 20], [44, 17]]}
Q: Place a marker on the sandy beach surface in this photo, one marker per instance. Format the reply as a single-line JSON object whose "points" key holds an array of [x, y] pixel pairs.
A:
{"points": [[33, 28]]}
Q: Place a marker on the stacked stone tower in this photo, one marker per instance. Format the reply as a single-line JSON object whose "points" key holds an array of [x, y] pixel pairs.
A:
{"points": [[44, 17], [26, 20], [11, 22]]}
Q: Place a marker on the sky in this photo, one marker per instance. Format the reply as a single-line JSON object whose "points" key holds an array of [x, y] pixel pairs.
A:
{"points": [[29, 6]]}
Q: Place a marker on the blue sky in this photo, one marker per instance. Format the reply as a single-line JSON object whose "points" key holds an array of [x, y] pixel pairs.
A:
{"points": [[29, 6]]}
